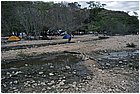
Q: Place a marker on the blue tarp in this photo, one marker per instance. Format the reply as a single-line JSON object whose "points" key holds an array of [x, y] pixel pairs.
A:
{"points": [[66, 36]]}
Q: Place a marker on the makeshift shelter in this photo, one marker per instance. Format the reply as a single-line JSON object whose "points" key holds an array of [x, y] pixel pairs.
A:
{"points": [[66, 36], [13, 38]]}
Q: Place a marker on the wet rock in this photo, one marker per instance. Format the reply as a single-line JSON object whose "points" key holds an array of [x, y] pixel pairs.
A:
{"points": [[51, 74], [40, 73]]}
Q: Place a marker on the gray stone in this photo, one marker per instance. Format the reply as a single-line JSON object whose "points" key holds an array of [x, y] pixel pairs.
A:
{"points": [[50, 84], [48, 88], [110, 90], [88, 77], [18, 72], [53, 86], [107, 64], [15, 81], [26, 64], [61, 83], [120, 62], [8, 73], [51, 74], [40, 73], [67, 67], [51, 66], [43, 83], [99, 59], [74, 72]]}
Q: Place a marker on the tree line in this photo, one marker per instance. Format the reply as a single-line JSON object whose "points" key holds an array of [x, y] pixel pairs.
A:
{"points": [[37, 16]]}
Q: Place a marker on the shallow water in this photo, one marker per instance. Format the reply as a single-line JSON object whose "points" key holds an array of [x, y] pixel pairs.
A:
{"points": [[119, 59], [43, 68]]}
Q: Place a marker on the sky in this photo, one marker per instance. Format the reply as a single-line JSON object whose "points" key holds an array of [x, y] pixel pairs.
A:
{"points": [[118, 5], [112, 5]]}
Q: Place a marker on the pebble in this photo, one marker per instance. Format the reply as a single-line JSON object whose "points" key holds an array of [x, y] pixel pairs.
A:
{"points": [[53, 86], [10, 82], [43, 89], [79, 86], [48, 88], [51, 74], [74, 72], [88, 77], [13, 72], [18, 72], [51, 66], [40, 73], [67, 67], [49, 84], [61, 83], [8, 73], [4, 85], [99, 70], [42, 83], [107, 64], [52, 82], [26, 64], [120, 62], [109, 89], [15, 81]]}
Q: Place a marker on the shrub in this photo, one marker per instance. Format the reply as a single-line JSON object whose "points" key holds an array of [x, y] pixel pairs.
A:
{"points": [[130, 45]]}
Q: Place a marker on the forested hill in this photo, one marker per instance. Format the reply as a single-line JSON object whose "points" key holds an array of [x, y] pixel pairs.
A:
{"points": [[26, 16]]}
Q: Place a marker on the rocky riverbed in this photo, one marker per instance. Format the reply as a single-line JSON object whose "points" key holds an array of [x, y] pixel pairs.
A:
{"points": [[94, 66]]}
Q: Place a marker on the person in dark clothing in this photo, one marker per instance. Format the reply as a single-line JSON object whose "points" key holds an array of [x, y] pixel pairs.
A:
{"points": [[69, 39]]}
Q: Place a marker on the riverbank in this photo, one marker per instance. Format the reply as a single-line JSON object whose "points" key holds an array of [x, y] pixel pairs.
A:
{"points": [[91, 66]]}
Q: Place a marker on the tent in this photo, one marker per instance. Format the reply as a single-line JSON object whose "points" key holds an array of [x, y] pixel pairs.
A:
{"points": [[13, 38], [66, 36]]}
